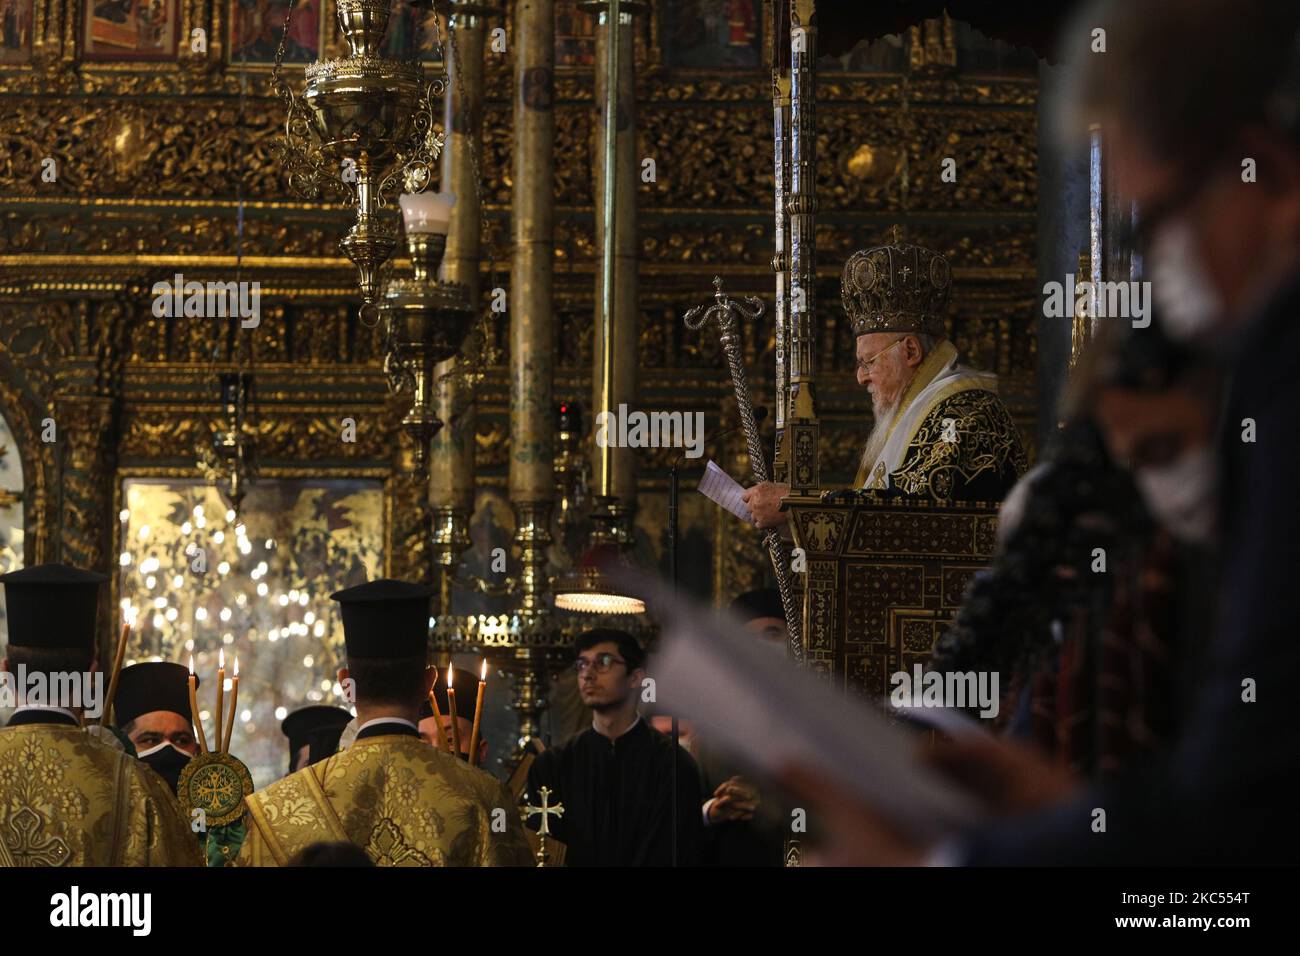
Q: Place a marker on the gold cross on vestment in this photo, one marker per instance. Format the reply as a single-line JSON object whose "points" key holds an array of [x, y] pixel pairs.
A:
{"points": [[546, 809], [29, 845]]}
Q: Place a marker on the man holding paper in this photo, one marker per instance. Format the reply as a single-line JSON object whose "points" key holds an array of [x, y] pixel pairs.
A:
{"points": [[941, 433]]}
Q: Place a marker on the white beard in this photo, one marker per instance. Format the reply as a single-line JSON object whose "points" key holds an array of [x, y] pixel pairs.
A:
{"points": [[879, 432]]}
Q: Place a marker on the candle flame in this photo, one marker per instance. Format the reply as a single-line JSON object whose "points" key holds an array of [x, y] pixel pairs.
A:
{"points": [[482, 675], [191, 665], [236, 665], [221, 658], [449, 680]]}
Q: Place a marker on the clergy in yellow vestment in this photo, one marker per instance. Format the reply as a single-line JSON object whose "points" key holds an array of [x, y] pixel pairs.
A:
{"points": [[66, 797], [402, 801]]}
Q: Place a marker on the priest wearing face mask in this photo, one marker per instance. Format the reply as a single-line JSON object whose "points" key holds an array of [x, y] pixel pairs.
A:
{"points": [[1162, 427], [153, 709], [67, 797], [941, 433]]}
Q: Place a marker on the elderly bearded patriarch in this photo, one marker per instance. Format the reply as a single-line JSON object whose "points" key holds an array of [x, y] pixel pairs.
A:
{"points": [[941, 433]]}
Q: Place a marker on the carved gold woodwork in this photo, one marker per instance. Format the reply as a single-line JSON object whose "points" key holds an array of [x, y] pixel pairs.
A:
{"points": [[146, 191], [883, 580]]}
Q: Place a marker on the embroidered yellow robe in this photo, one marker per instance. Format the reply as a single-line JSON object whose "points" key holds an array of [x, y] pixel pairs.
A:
{"points": [[68, 800], [404, 802]]}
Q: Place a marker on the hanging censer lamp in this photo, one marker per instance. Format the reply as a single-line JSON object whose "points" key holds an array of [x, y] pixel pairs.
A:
{"points": [[362, 124], [227, 459], [363, 127], [426, 319]]}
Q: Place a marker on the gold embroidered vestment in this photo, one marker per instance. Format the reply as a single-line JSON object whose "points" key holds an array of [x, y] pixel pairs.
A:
{"points": [[68, 800], [404, 802]]}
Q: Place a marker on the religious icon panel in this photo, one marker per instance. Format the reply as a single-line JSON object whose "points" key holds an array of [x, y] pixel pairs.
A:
{"points": [[197, 579], [11, 514], [575, 35], [414, 34], [130, 30], [712, 34], [256, 27], [15, 31]]}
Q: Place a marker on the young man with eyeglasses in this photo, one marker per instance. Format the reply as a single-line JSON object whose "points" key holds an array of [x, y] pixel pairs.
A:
{"points": [[615, 780]]}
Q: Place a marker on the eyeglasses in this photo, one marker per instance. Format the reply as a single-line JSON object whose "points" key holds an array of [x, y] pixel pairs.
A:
{"points": [[602, 663], [865, 366]]}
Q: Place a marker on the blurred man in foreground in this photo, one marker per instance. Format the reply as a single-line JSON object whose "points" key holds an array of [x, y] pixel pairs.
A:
{"points": [[1222, 251]]}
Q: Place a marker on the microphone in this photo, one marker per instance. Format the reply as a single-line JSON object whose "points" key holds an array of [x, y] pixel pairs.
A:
{"points": [[760, 414]]}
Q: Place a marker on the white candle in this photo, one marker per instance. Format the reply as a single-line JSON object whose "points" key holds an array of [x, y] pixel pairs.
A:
{"points": [[427, 212]]}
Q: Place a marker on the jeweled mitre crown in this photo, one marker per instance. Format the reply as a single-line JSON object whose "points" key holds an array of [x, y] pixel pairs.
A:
{"points": [[896, 288]]}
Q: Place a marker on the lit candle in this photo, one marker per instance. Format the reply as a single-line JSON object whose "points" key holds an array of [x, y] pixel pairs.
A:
{"points": [[221, 694], [194, 709], [438, 735], [106, 712], [451, 703], [478, 715], [234, 701]]}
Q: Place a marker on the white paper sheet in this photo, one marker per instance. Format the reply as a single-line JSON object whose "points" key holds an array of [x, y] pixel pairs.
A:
{"points": [[723, 490], [773, 715]]}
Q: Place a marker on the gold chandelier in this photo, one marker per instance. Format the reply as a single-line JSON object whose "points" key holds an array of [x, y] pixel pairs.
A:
{"points": [[362, 128]]}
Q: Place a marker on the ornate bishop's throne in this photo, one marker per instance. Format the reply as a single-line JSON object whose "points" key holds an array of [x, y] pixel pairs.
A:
{"points": [[884, 577]]}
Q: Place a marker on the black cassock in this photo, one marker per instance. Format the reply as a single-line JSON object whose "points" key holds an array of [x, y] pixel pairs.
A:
{"points": [[618, 799]]}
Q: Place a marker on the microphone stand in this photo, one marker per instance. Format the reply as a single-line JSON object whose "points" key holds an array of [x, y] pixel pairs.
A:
{"points": [[760, 413]]}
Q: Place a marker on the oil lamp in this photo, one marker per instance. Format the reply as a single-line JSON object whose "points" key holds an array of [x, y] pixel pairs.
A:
{"points": [[362, 127]]}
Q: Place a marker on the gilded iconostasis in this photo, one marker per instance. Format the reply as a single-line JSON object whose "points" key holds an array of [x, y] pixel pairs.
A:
{"points": [[138, 141]]}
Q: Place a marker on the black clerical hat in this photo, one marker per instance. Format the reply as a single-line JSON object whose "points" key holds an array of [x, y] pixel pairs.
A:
{"points": [[318, 728], [764, 602], [466, 695], [385, 618], [152, 686], [52, 606]]}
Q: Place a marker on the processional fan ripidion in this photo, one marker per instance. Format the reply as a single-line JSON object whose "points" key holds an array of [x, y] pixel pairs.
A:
{"points": [[363, 128]]}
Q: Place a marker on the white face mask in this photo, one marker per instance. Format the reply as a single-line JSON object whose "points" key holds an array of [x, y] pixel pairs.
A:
{"points": [[1181, 494], [1189, 304]]}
